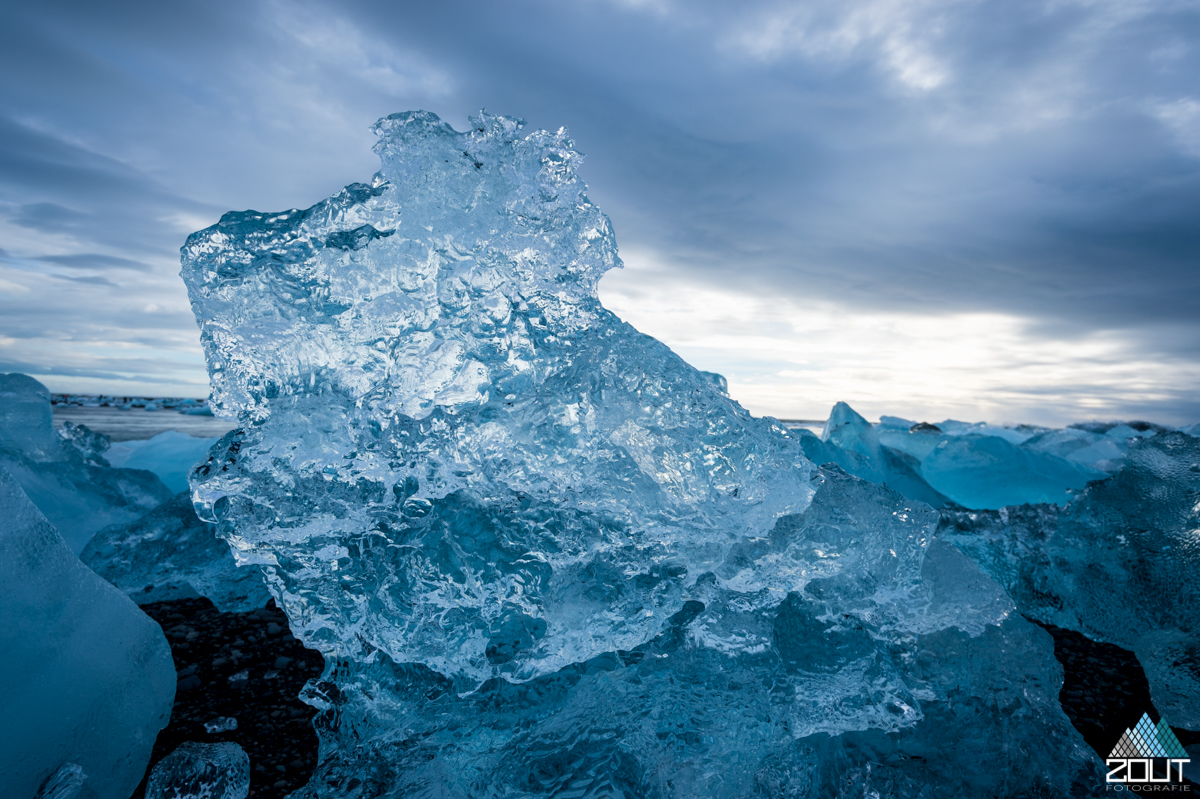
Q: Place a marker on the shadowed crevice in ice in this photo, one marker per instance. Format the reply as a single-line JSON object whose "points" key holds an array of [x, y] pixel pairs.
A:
{"points": [[545, 556]]}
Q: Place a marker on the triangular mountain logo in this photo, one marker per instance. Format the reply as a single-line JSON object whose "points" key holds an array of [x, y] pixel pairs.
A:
{"points": [[1131, 759], [1148, 739]]}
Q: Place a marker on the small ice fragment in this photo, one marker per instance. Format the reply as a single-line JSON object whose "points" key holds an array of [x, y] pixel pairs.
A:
{"points": [[201, 771], [221, 724], [66, 783], [242, 676]]}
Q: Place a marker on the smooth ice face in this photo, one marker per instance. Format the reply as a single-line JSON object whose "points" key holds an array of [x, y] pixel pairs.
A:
{"points": [[990, 472], [90, 677], [201, 771], [170, 455], [543, 555]]}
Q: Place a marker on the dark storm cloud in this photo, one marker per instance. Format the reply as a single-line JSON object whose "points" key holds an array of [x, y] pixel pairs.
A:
{"points": [[1037, 159], [1015, 160]]}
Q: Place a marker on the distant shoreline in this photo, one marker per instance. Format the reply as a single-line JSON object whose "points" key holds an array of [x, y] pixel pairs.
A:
{"points": [[136, 423]]}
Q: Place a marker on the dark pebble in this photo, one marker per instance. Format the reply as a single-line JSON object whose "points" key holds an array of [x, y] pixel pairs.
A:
{"points": [[205, 662]]}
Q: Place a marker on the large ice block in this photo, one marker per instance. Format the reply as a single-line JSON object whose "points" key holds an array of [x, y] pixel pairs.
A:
{"points": [[88, 677], [543, 555], [1120, 563], [67, 479], [26, 419], [170, 554]]}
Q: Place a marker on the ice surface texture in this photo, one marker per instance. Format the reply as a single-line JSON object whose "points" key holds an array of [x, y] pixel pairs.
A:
{"points": [[67, 477], [1121, 563], [88, 677], [201, 771], [170, 554], [541, 553]]}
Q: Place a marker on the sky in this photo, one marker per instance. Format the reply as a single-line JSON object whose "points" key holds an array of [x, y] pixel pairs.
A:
{"points": [[978, 209]]}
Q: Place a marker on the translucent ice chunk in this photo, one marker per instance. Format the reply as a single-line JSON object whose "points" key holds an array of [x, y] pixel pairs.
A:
{"points": [[89, 677], [444, 380], [170, 455], [547, 556], [66, 783], [895, 422], [1013, 435], [90, 445], [221, 724], [854, 444], [170, 554], [68, 482], [917, 441], [201, 771], [989, 472]]}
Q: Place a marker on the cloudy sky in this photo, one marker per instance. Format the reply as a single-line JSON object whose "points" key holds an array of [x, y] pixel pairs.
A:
{"points": [[985, 209]]}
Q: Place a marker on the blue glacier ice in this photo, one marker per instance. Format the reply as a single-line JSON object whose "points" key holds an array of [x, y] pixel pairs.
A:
{"points": [[66, 476], [1090, 449], [1121, 563], [988, 472], [856, 446], [170, 455], [171, 554], [544, 556], [88, 677]]}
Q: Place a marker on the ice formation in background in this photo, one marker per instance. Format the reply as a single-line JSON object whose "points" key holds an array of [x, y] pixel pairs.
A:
{"points": [[170, 455], [88, 677], [543, 555], [66, 477], [170, 554], [201, 771], [990, 472], [976, 466], [1121, 563], [853, 444]]}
